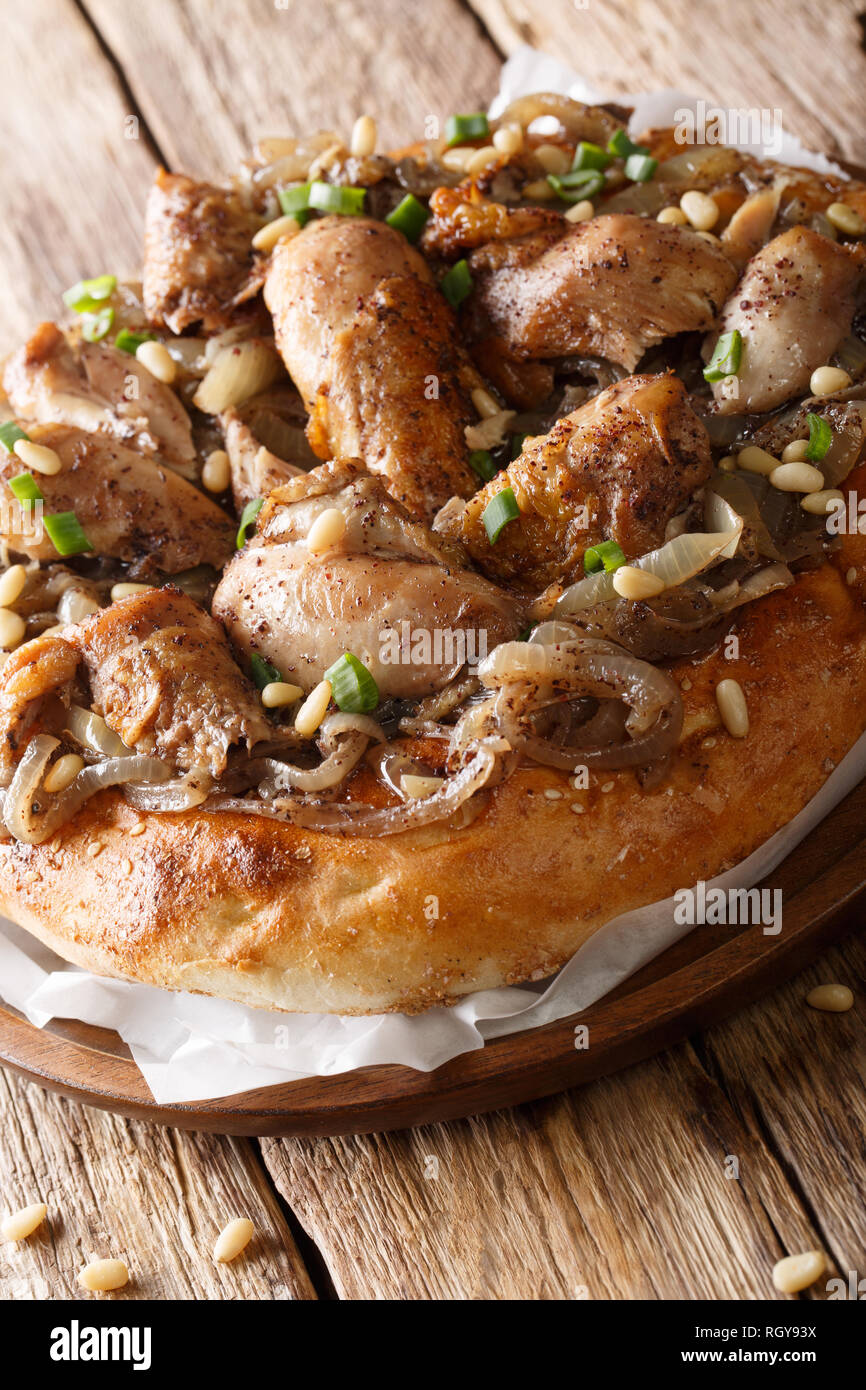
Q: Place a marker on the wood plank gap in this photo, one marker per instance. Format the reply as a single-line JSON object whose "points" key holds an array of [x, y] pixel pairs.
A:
{"points": [[312, 1255], [123, 83]]}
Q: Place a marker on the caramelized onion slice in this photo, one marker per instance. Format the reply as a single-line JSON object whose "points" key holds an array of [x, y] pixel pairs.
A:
{"points": [[680, 559]]}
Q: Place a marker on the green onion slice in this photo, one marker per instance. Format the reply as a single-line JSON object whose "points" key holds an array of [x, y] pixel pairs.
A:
{"points": [[130, 342], [820, 437], [457, 284], [606, 555], [481, 462], [95, 326], [248, 516], [640, 167], [26, 489], [726, 357], [66, 534], [575, 187], [263, 672], [459, 129], [352, 686], [330, 197], [9, 433], [295, 202], [499, 511], [620, 145], [409, 217], [517, 443], [589, 156], [89, 295]]}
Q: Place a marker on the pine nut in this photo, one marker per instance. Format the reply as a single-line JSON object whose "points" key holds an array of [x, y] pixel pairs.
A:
{"points": [[733, 708], [825, 380], [832, 999], [674, 216], [508, 139], [18, 1225], [156, 359], [364, 136], [313, 710], [457, 158], [539, 189], [728, 464], [12, 585], [797, 477], [327, 530], [38, 457], [63, 773], [795, 452], [797, 1272], [281, 229], [820, 503], [120, 591], [101, 1276], [845, 219], [480, 160], [13, 630], [216, 473], [701, 210], [484, 403], [634, 583], [234, 1238], [279, 694], [553, 159], [757, 460], [580, 212], [417, 788]]}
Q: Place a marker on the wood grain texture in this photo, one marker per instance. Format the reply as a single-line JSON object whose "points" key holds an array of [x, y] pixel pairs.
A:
{"points": [[155, 1198], [240, 69], [785, 54]]}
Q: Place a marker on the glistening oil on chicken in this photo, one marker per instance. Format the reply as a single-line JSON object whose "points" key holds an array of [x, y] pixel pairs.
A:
{"points": [[396, 472]]}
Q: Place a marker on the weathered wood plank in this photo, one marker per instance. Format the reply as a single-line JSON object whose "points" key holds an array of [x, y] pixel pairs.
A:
{"points": [[74, 185], [155, 1198], [778, 54], [212, 76]]}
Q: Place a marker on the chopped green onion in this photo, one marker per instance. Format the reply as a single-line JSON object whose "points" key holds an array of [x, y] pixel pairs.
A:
{"points": [[409, 217], [575, 187], [620, 145], [131, 342], [517, 443], [589, 156], [481, 462], [607, 555], [65, 533], [526, 632], [459, 129], [9, 433], [499, 511], [89, 295], [95, 326], [26, 489], [330, 197], [640, 167], [457, 284], [263, 672], [295, 202], [248, 516], [352, 686], [820, 437], [726, 357]]}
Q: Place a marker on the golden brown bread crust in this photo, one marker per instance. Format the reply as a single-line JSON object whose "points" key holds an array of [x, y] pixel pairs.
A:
{"points": [[284, 918]]}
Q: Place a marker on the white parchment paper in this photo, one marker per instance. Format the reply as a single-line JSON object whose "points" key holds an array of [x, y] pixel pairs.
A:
{"points": [[193, 1048]]}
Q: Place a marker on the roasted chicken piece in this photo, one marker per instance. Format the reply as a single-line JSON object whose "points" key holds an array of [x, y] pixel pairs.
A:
{"points": [[197, 253], [793, 307], [130, 507], [98, 387], [618, 468], [386, 580], [372, 346], [160, 673], [609, 287]]}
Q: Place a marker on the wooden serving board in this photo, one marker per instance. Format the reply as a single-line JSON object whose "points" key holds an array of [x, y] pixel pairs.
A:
{"points": [[710, 973]]}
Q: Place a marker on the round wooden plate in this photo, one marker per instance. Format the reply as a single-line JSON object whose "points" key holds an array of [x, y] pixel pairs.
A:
{"points": [[710, 973]]}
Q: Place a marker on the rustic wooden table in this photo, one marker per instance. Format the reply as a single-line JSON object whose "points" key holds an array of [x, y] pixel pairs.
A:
{"points": [[626, 1189]]}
